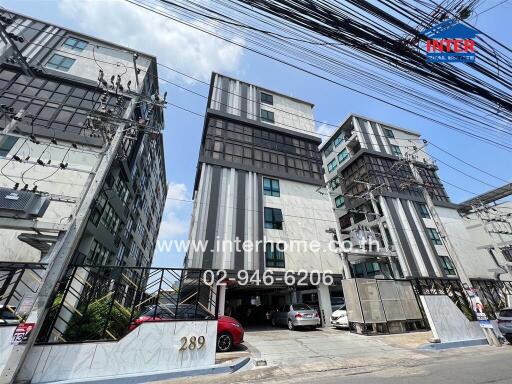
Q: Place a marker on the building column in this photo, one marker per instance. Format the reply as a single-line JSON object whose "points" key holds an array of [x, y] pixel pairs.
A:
{"points": [[221, 301], [293, 297], [324, 302]]}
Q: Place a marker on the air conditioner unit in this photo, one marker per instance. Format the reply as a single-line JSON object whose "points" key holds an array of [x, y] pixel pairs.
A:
{"points": [[22, 204]]}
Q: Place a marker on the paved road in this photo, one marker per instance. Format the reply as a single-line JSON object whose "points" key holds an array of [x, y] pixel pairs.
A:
{"points": [[489, 366]]}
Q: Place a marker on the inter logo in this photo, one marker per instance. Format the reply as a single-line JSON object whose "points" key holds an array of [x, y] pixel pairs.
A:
{"points": [[450, 41]]}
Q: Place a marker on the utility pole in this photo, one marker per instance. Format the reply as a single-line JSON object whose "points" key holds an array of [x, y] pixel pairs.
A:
{"points": [[489, 333], [62, 253], [343, 255], [12, 124]]}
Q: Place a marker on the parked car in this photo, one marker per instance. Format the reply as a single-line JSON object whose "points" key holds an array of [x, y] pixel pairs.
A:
{"points": [[296, 315], [7, 315], [229, 331], [339, 317], [505, 323]]}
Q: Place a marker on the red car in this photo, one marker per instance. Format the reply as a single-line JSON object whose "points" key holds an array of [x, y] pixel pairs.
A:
{"points": [[229, 330], [229, 333]]}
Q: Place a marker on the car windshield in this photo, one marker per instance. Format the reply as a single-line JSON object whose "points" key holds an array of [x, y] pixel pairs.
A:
{"points": [[301, 307], [506, 313], [338, 307]]}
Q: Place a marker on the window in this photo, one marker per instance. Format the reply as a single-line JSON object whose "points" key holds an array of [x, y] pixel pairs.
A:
{"points": [[434, 236], [343, 155], [273, 218], [75, 44], [328, 150], [332, 165], [267, 116], [274, 255], [423, 211], [334, 183], [271, 187], [61, 63], [340, 201], [396, 150], [7, 144], [338, 140], [447, 265], [266, 98], [389, 133], [507, 253]]}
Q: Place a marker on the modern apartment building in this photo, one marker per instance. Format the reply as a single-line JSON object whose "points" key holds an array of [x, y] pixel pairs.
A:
{"points": [[378, 198], [259, 180], [72, 92]]}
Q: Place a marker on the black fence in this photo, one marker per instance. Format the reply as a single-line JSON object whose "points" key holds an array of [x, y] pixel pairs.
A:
{"points": [[18, 281], [100, 303], [441, 286]]}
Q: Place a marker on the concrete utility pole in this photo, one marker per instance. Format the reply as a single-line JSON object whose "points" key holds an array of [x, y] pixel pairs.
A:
{"points": [[489, 333], [343, 255], [12, 124], [59, 258]]}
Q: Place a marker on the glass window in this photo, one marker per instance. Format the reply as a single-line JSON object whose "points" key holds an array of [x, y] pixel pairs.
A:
{"points": [[335, 182], [271, 187], [447, 265], [340, 201], [75, 44], [389, 133], [273, 218], [434, 236], [61, 63], [423, 211], [396, 150], [267, 116], [507, 253], [343, 155], [338, 140], [274, 255], [266, 98], [332, 165], [328, 150], [6, 144]]}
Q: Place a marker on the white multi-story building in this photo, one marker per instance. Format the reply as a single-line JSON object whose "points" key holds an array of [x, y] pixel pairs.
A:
{"points": [[259, 179], [369, 169]]}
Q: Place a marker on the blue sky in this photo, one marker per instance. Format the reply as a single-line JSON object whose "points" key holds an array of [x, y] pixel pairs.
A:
{"points": [[198, 54]]}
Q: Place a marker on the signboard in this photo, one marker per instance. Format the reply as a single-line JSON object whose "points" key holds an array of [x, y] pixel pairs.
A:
{"points": [[25, 305], [22, 332]]}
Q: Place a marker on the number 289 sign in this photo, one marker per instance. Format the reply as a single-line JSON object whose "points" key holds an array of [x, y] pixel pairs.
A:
{"points": [[22, 332]]}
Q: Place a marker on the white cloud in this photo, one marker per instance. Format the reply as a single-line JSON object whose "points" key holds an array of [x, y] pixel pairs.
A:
{"points": [[325, 131], [173, 43], [175, 220]]}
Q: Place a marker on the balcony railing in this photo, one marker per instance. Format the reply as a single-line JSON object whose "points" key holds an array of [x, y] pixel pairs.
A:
{"points": [[100, 303], [18, 281]]}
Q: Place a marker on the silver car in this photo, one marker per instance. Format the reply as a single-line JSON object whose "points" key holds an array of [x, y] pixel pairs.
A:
{"points": [[296, 315], [505, 323]]}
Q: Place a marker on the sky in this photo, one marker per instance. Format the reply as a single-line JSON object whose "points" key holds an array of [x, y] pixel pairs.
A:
{"points": [[198, 54]]}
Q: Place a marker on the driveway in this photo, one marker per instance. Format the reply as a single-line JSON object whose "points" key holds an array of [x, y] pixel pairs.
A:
{"points": [[284, 348]]}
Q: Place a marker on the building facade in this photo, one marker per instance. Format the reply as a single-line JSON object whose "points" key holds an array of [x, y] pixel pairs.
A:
{"points": [[369, 168], [259, 180], [72, 92]]}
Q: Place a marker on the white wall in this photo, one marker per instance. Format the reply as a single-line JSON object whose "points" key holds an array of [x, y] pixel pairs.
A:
{"points": [[5, 344], [307, 215], [150, 348], [468, 244], [68, 183]]}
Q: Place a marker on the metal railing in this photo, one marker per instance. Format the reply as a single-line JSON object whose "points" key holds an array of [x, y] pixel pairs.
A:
{"points": [[100, 303], [17, 281], [444, 286]]}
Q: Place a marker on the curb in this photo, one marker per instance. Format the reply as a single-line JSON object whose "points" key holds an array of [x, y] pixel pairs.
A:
{"points": [[453, 344], [139, 378]]}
